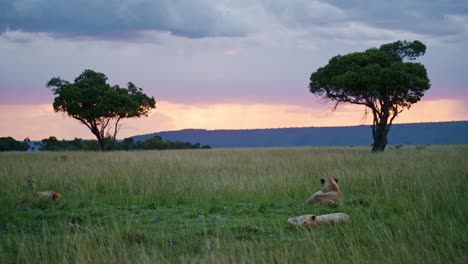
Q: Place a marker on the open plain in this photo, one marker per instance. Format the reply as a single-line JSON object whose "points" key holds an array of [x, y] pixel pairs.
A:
{"points": [[407, 205]]}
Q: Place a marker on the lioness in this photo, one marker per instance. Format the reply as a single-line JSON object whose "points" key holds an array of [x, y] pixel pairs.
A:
{"points": [[29, 184], [312, 221], [49, 195], [330, 193]]}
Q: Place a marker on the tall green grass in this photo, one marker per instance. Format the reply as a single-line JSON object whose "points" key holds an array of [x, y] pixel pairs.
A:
{"points": [[407, 205]]}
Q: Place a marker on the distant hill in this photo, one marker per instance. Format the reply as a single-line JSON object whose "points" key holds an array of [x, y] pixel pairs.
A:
{"points": [[406, 134]]}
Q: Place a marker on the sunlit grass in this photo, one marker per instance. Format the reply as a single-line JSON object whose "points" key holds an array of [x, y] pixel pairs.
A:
{"points": [[406, 205]]}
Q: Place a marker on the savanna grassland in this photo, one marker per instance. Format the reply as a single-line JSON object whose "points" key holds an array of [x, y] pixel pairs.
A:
{"points": [[407, 205]]}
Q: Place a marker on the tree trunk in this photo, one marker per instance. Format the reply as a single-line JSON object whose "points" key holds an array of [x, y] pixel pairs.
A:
{"points": [[98, 133], [380, 138], [102, 144], [380, 129], [99, 137]]}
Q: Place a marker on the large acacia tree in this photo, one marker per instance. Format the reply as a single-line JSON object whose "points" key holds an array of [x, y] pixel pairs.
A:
{"points": [[385, 80], [98, 105]]}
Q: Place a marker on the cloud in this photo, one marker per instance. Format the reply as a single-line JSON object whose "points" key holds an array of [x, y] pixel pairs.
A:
{"points": [[117, 19], [183, 70], [417, 16], [440, 18], [130, 19], [175, 50], [304, 12]]}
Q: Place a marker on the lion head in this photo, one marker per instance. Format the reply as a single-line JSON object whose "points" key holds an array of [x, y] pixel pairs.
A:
{"points": [[330, 185]]}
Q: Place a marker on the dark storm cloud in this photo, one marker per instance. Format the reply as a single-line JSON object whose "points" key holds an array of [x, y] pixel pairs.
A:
{"points": [[123, 19], [434, 17], [118, 18]]}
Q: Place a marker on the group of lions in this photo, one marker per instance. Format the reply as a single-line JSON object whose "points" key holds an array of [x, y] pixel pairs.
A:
{"points": [[329, 195]]}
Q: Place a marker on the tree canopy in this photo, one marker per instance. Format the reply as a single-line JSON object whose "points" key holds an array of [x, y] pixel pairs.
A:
{"points": [[97, 104], [10, 144], [385, 80]]}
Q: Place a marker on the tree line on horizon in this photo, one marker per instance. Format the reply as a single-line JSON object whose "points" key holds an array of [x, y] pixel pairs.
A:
{"points": [[78, 144]]}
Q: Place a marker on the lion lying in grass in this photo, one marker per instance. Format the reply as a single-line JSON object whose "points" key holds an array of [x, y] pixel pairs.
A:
{"points": [[41, 196], [312, 221], [330, 193]]}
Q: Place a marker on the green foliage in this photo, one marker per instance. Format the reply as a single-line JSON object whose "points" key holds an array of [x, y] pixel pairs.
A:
{"points": [[98, 105], [158, 143], [52, 144], [406, 206], [380, 79], [373, 75], [10, 144]]}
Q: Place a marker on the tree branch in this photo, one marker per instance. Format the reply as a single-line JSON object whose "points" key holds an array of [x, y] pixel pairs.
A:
{"points": [[396, 112], [116, 128], [104, 126], [374, 124]]}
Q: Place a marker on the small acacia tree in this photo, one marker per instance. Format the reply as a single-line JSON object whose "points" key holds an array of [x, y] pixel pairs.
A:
{"points": [[98, 105], [384, 80]]}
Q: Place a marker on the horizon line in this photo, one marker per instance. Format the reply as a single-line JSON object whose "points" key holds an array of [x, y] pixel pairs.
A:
{"points": [[247, 129], [268, 128]]}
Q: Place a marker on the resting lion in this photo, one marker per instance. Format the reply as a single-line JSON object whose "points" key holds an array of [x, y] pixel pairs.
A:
{"points": [[36, 196], [312, 221], [330, 193]]}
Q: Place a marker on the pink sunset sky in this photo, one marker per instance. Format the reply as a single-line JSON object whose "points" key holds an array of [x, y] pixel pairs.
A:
{"points": [[218, 64]]}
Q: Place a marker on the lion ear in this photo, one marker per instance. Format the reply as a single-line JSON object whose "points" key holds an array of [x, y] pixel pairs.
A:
{"points": [[336, 180], [322, 181]]}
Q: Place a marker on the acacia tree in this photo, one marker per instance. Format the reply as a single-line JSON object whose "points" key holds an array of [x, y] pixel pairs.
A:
{"points": [[98, 105], [384, 80]]}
